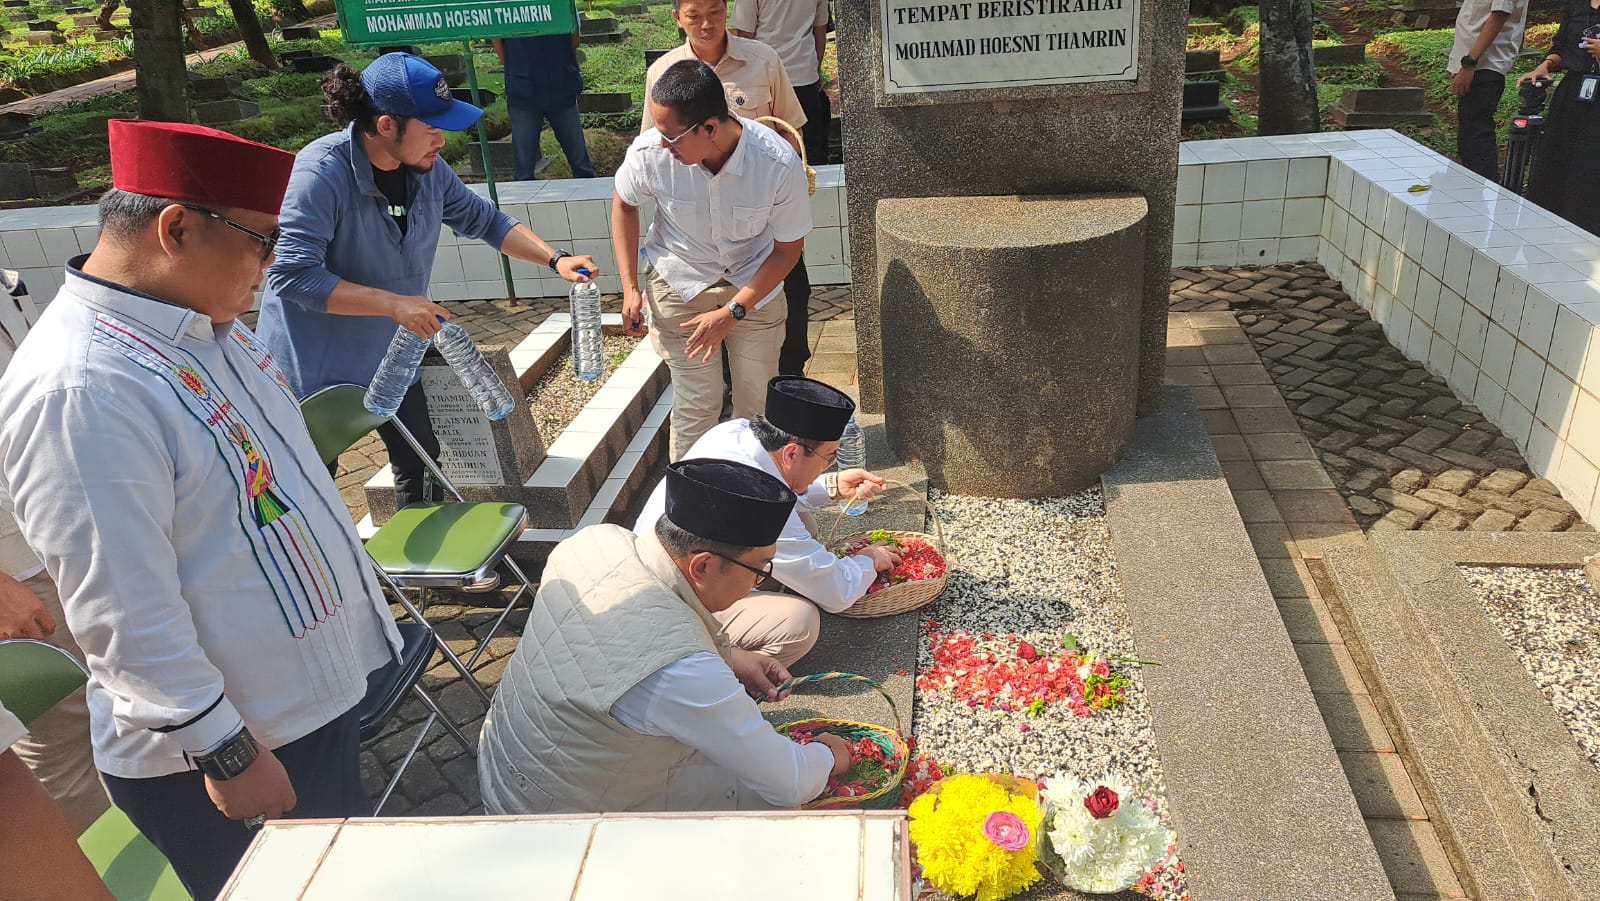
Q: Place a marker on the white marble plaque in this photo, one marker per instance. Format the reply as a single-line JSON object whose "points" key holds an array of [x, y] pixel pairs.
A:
{"points": [[931, 47], [467, 452]]}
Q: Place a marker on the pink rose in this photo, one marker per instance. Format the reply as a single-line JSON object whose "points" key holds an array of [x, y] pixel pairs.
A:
{"points": [[1007, 830], [1102, 802]]}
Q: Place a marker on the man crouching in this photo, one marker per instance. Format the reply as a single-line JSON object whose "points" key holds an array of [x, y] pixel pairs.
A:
{"points": [[625, 695]]}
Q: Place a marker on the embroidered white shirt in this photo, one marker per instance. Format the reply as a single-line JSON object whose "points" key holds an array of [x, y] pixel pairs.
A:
{"points": [[159, 466], [802, 562], [11, 729], [710, 228]]}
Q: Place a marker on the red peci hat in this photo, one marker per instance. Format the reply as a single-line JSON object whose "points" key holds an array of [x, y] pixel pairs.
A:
{"points": [[197, 164]]}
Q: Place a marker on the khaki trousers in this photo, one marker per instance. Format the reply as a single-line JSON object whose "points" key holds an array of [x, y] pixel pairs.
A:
{"points": [[779, 625], [57, 746], [697, 387]]}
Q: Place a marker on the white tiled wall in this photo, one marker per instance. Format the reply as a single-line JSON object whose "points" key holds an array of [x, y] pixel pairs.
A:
{"points": [[571, 213], [1493, 294]]}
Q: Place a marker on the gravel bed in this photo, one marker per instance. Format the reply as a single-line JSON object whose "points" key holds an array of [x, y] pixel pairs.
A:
{"points": [[1551, 619], [558, 398], [1040, 569]]}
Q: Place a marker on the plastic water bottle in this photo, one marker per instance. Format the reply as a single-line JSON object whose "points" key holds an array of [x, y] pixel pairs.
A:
{"points": [[474, 371], [396, 373], [852, 455], [588, 344]]}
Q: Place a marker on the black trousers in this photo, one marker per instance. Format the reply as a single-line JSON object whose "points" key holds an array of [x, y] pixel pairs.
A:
{"points": [[796, 343], [411, 480], [177, 816], [815, 133], [1475, 139]]}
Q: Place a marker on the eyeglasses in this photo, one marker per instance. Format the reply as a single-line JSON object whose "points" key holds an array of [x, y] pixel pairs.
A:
{"points": [[830, 459], [268, 242], [765, 572], [681, 135]]}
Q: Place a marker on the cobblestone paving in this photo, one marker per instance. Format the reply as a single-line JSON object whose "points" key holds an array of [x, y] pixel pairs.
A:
{"points": [[442, 780], [1401, 448]]}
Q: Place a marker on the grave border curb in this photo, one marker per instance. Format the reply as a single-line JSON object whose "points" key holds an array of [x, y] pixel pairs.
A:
{"points": [[1476, 732], [1261, 804]]}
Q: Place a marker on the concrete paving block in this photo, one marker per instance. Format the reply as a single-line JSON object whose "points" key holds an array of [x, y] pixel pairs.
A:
{"points": [[1353, 721], [1329, 667], [1308, 620], [1413, 858], [1381, 785]]}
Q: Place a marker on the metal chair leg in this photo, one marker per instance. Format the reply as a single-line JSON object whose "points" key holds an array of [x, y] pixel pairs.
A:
{"points": [[449, 724], [444, 649], [394, 781], [525, 588]]}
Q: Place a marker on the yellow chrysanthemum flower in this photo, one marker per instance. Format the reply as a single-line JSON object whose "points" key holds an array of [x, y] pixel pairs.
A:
{"points": [[955, 854]]}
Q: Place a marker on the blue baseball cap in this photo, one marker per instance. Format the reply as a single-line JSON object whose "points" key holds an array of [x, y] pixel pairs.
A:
{"points": [[404, 85]]}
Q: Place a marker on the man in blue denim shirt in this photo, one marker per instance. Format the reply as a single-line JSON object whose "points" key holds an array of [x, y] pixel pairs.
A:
{"points": [[360, 227]]}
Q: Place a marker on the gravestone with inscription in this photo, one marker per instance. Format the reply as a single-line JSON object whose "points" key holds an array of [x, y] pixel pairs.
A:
{"points": [[486, 460], [997, 154]]}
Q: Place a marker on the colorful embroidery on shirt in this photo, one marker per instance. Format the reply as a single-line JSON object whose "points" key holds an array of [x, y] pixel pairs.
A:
{"points": [[262, 357], [291, 559]]}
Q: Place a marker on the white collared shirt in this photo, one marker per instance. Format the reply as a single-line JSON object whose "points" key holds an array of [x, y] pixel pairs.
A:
{"points": [[1502, 53], [710, 228], [11, 729], [159, 465], [699, 701], [16, 560], [802, 562], [787, 27]]}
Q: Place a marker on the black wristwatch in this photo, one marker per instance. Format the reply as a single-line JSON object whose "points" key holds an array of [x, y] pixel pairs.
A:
{"points": [[232, 758], [558, 255], [1468, 62], [737, 309]]}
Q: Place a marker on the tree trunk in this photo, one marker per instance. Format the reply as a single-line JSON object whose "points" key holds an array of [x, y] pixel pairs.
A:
{"points": [[162, 79], [255, 40], [1288, 95]]}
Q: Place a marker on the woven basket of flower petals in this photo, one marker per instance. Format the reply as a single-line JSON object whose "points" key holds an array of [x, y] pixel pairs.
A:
{"points": [[916, 582], [874, 750]]}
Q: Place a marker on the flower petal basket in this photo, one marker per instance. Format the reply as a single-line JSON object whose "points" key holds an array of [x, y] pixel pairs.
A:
{"points": [[906, 596], [882, 797]]}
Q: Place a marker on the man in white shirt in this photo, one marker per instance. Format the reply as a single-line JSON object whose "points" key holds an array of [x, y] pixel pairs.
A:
{"points": [[57, 745], [625, 695], [1488, 35], [39, 856], [159, 466], [796, 440], [798, 30], [732, 212]]}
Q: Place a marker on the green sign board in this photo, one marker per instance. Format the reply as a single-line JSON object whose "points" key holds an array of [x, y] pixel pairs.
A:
{"points": [[370, 22]]}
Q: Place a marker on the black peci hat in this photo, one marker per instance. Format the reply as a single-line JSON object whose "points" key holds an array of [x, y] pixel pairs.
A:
{"points": [[731, 503], [807, 408]]}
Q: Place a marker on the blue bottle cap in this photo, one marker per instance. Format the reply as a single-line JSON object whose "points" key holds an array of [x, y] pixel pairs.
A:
{"points": [[582, 271]]}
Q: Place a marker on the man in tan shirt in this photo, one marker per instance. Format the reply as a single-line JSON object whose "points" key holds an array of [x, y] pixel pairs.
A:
{"points": [[752, 73]]}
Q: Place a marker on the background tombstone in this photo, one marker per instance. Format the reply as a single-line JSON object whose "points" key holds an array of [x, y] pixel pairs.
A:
{"points": [[994, 101]]}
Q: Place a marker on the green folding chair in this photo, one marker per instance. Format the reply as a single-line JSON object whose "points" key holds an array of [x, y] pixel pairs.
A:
{"points": [[424, 545], [35, 676]]}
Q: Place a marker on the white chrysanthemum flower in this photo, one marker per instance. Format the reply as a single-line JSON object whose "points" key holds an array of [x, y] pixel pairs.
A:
{"points": [[1103, 855]]}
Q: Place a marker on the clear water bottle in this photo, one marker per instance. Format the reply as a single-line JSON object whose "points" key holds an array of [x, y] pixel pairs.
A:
{"points": [[396, 373], [588, 343], [852, 455], [475, 372]]}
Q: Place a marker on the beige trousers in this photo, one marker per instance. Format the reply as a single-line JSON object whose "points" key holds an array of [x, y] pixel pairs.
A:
{"points": [[57, 746], [697, 386], [779, 625]]}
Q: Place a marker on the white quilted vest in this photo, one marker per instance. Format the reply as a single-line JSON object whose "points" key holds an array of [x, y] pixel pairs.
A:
{"points": [[611, 610]]}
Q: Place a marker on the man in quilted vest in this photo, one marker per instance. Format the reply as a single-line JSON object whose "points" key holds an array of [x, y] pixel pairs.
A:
{"points": [[625, 695]]}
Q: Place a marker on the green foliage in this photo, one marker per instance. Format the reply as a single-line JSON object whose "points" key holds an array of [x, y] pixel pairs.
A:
{"points": [[48, 61]]}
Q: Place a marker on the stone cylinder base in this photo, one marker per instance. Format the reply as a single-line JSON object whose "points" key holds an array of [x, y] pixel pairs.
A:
{"points": [[1010, 337]]}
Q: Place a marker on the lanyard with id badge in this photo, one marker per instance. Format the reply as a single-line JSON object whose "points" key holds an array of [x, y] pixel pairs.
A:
{"points": [[1591, 80]]}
